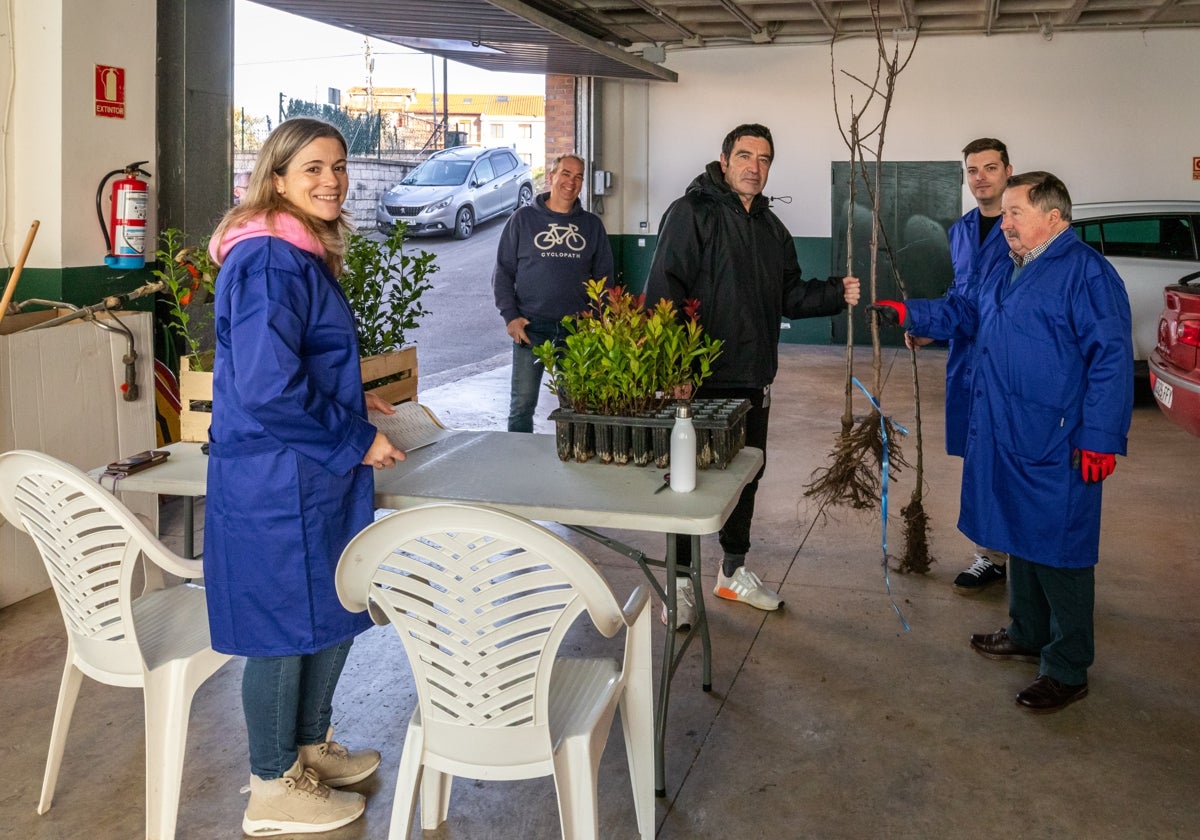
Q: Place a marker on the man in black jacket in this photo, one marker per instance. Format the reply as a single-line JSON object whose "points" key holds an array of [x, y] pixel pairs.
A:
{"points": [[721, 245]]}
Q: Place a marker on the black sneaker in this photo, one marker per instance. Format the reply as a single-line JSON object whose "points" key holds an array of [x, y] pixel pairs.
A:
{"points": [[982, 574]]}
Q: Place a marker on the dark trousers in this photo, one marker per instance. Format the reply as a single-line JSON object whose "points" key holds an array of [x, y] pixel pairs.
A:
{"points": [[735, 534], [1051, 610]]}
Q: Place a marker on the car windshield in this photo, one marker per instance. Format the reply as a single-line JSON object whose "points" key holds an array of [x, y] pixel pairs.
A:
{"points": [[439, 173]]}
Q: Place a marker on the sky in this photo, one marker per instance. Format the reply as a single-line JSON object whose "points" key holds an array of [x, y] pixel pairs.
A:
{"points": [[275, 52]]}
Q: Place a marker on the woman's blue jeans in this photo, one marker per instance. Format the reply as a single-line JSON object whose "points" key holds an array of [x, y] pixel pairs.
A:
{"points": [[288, 701], [527, 373]]}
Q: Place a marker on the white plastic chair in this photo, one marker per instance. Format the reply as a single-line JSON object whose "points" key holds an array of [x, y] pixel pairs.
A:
{"points": [[157, 641], [481, 600]]}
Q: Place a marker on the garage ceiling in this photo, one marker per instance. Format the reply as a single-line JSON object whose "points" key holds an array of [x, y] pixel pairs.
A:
{"points": [[623, 38]]}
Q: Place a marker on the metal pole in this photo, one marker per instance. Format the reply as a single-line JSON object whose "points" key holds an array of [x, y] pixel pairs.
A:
{"points": [[433, 99]]}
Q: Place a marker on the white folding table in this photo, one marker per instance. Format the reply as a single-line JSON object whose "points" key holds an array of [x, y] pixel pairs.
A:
{"points": [[522, 474]]}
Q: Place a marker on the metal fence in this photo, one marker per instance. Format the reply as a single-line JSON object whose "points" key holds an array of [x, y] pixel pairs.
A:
{"points": [[382, 135]]}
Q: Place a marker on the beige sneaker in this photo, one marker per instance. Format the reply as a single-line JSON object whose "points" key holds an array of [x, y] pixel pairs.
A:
{"points": [[296, 803], [337, 766], [685, 605]]}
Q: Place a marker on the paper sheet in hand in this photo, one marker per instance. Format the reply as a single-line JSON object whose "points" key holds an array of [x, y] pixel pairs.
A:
{"points": [[411, 427]]}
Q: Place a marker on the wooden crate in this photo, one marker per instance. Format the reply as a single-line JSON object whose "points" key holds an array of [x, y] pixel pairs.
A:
{"points": [[195, 399], [393, 376]]}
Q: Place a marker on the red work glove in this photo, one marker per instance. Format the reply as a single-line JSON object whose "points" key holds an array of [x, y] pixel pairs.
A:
{"points": [[890, 311], [1095, 466]]}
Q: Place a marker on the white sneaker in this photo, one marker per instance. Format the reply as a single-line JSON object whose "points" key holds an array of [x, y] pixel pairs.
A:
{"points": [[747, 587], [296, 803], [685, 604], [337, 766]]}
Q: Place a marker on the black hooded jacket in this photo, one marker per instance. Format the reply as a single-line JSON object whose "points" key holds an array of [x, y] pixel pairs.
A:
{"points": [[741, 265]]}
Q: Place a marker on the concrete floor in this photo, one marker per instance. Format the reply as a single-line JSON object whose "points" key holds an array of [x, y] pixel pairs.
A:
{"points": [[827, 719]]}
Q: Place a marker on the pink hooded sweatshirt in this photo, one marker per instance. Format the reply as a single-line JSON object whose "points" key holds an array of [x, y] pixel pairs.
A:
{"points": [[283, 226]]}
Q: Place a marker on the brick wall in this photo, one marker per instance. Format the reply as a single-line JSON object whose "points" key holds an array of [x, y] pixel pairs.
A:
{"points": [[560, 116]]}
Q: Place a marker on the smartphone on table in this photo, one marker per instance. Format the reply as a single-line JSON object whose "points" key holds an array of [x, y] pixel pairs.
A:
{"points": [[136, 463]]}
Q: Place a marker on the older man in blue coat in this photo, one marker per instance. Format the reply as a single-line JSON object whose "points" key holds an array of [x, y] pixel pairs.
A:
{"points": [[1051, 400]]}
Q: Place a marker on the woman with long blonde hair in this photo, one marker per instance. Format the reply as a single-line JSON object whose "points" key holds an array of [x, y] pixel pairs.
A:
{"points": [[289, 475]]}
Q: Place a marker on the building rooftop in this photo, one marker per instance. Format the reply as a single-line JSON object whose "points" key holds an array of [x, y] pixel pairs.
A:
{"points": [[489, 104]]}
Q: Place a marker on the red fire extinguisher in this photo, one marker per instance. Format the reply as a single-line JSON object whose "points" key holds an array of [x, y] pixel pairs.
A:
{"points": [[125, 231]]}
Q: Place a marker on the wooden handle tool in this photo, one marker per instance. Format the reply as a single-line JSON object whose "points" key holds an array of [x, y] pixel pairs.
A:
{"points": [[12, 281]]}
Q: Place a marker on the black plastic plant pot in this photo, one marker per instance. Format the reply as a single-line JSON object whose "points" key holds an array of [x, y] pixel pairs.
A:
{"points": [[640, 445], [662, 446], [621, 434], [582, 449], [603, 437], [562, 440]]}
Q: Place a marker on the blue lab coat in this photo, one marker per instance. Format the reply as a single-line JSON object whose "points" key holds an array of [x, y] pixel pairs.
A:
{"points": [[1053, 372], [971, 261], [286, 486]]}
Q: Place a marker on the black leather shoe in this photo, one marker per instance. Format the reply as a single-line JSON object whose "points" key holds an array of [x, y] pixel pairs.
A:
{"points": [[999, 646], [1046, 694]]}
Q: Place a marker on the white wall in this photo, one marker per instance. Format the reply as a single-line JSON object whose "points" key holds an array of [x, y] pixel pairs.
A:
{"points": [[534, 146], [7, 257], [1114, 115], [32, 179], [98, 32], [56, 148]]}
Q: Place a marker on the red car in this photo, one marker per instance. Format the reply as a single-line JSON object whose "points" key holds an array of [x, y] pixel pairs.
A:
{"points": [[1175, 362]]}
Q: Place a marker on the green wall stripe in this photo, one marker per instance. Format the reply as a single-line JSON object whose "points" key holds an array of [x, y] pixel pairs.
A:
{"points": [[82, 286]]}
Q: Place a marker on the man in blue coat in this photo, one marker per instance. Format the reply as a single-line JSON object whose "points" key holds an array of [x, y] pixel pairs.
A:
{"points": [[1051, 400], [976, 242]]}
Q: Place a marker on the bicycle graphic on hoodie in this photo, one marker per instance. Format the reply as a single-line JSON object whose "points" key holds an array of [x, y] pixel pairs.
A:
{"points": [[556, 235]]}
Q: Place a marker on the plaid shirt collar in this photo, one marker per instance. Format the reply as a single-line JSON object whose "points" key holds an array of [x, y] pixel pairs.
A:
{"points": [[1034, 253]]}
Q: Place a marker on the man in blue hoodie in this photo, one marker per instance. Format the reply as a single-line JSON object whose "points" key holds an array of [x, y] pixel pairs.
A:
{"points": [[547, 252]]}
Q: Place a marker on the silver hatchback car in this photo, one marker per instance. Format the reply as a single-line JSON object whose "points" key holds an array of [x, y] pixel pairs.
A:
{"points": [[454, 190]]}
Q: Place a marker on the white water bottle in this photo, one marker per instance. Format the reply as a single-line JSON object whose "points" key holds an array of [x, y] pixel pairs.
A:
{"points": [[683, 451]]}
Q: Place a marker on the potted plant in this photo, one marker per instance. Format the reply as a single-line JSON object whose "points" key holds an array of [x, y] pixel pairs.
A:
{"points": [[620, 370], [384, 287], [189, 276]]}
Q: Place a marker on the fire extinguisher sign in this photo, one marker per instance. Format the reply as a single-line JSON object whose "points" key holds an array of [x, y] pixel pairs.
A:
{"points": [[110, 91]]}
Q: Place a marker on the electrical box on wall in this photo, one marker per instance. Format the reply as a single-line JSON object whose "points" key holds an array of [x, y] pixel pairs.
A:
{"points": [[601, 182]]}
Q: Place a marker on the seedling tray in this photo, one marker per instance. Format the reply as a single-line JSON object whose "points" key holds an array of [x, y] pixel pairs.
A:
{"points": [[645, 438]]}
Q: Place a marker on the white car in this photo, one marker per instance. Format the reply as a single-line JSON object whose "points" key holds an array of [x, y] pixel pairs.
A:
{"points": [[1152, 245]]}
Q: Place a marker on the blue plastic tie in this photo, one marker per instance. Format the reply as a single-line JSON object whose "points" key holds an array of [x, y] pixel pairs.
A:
{"points": [[883, 497]]}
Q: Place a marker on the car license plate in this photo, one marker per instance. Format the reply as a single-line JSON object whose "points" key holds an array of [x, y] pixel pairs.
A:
{"points": [[1163, 392]]}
